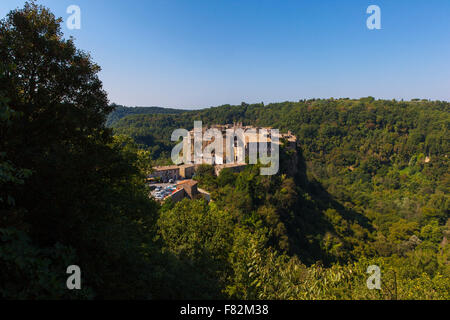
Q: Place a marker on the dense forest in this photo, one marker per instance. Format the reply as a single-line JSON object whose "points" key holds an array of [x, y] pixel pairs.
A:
{"points": [[368, 185], [122, 111], [372, 182]]}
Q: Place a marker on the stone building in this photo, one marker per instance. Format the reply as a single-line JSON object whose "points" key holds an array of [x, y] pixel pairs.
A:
{"points": [[166, 173], [190, 187], [251, 141], [234, 167], [187, 171]]}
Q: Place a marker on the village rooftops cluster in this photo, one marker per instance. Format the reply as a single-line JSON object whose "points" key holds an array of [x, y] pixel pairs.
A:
{"points": [[226, 144], [251, 141]]}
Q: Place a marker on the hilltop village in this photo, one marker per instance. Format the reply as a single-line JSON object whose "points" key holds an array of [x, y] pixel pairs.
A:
{"points": [[176, 181]]}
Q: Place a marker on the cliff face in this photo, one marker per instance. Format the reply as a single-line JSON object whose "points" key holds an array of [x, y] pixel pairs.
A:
{"points": [[293, 164]]}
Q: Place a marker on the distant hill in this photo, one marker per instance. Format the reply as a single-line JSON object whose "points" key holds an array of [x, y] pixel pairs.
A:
{"points": [[122, 111], [384, 160]]}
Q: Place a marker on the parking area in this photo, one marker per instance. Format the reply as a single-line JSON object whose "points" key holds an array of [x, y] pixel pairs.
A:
{"points": [[160, 191]]}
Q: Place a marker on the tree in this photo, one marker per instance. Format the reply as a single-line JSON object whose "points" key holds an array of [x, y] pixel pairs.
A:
{"points": [[84, 192], [226, 177], [200, 235]]}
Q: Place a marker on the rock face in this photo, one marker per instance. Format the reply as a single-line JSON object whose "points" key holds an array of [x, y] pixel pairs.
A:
{"points": [[292, 163]]}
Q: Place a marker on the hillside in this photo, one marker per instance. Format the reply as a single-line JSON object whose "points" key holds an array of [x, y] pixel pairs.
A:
{"points": [[120, 112], [377, 178]]}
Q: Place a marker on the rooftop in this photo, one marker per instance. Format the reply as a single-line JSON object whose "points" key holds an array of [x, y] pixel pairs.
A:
{"points": [[163, 168], [189, 183]]}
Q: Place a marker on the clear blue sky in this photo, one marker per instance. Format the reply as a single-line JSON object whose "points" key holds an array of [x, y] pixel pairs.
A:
{"points": [[199, 53]]}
